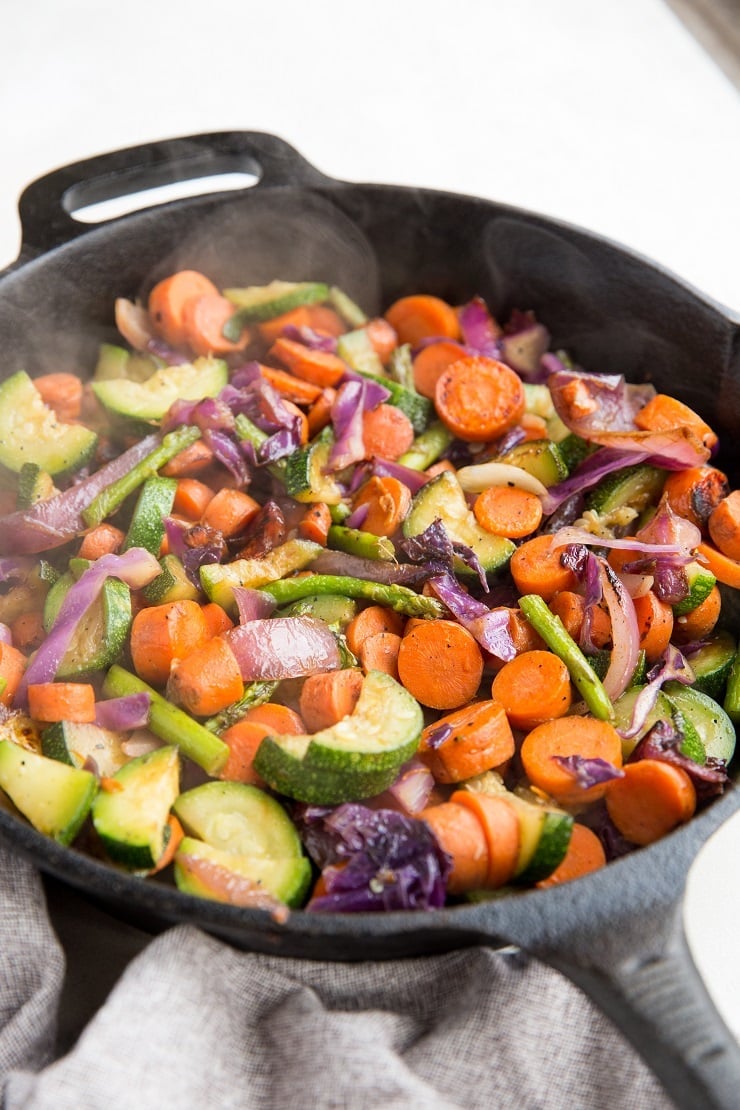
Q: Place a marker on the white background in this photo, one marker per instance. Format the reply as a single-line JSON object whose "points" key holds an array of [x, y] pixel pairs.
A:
{"points": [[605, 114]]}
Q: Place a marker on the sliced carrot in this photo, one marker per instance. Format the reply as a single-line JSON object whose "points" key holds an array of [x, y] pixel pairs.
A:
{"points": [[386, 432], [534, 427], [62, 701], [699, 622], [160, 634], [104, 539], [217, 619], [663, 411], [369, 622], [440, 664], [243, 739], [655, 624], [280, 719], [191, 498], [207, 680], [508, 511], [291, 387], [177, 834], [581, 736], [203, 321], [320, 367], [229, 511], [421, 316], [319, 415], [571, 608], [522, 634], [651, 800], [318, 317], [724, 525], [321, 318], [382, 336], [327, 698], [315, 523], [62, 392], [12, 666], [695, 492], [380, 653], [585, 854], [431, 362], [168, 299], [533, 688], [462, 837], [388, 501], [500, 825], [726, 571], [191, 460], [536, 568], [478, 398], [479, 739], [28, 630], [438, 467]]}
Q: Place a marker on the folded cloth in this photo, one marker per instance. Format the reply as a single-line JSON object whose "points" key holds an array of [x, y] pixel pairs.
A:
{"points": [[191, 1022]]}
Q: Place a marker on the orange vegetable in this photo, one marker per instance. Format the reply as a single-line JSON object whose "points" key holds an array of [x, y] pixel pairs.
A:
{"points": [[440, 664], [369, 622], [191, 498], [12, 666], [177, 834], [383, 338], [663, 412], [280, 719], [28, 630], [315, 523], [431, 362], [536, 568], [217, 619], [437, 468], [104, 539], [655, 624], [581, 736], [207, 680], [571, 608], [699, 622], [329, 697], [420, 316], [302, 421], [61, 701], [585, 854], [291, 387], [320, 367], [168, 299], [460, 834], [500, 825], [480, 739], [62, 392], [695, 492], [203, 320], [726, 571], [386, 432], [389, 501], [724, 525], [319, 415], [191, 460], [243, 739], [380, 653], [160, 634], [508, 511], [230, 511], [651, 800], [479, 398], [318, 317], [533, 688]]}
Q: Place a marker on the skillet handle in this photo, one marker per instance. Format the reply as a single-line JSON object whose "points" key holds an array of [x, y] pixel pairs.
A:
{"points": [[47, 204]]}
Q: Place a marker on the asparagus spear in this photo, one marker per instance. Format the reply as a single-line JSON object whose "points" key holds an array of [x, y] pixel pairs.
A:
{"points": [[365, 545], [255, 693], [399, 598]]}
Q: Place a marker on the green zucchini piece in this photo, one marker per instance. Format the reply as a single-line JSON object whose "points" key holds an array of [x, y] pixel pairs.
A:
{"points": [[541, 458], [544, 836], [663, 710], [332, 609], [356, 758], [150, 400], [31, 432], [427, 447], [574, 450], [418, 409], [347, 308], [54, 797], [701, 583], [305, 474], [147, 522], [401, 367], [101, 632], [443, 499], [218, 579], [208, 872], [634, 487], [732, 693], [34, 485], [72, 742], [366, 545], [714, 726], [359, 354], [712, 664], [131, 820], [263, 302], [172, 584], [117, 362]]}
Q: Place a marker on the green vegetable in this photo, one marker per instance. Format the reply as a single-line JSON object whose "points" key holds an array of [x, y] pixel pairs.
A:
{"points": [[147, 523], [305, 476], [427, 447], [544, 838], [418, 409], [100, 634], [31, 432], [131, 820], [398, 598], [263, 302], [712, 664], [73, 743], [713, 725], [366, 545], [358, 352], [53, 796], [255, 693], [172, 584], [332, 609], [149, 400], [34, 484], [701, 583], [401, 367], [347, 308], [539, 457], [634, 487], [218, 579]]}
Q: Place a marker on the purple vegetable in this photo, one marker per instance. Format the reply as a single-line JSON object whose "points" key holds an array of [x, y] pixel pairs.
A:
{"points": [[229, 454], [316, 341], [346, 417], [625, 632], [480, 332], [672, 666], [663, 742], [358, 517], [160, 349], [386, 468], [372, 570], [124, 713], [14, 569], [283, 647], [587, 474], [412, 787], [592, 403], [490, 627], [523, 349], [253, 605], [6, 636], [436, 738], [588, 772], [435, 548], [389, 861], [586, 566]]}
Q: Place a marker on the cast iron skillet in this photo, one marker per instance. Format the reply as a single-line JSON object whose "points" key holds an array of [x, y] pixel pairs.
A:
{"points": [[616, 933]]}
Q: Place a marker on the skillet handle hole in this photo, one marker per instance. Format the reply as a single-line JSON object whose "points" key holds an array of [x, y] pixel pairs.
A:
{"points": [[94, 202]]}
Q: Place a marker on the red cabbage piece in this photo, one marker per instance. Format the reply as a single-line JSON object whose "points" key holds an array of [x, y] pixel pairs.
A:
{"points": [[355, 396], [490, 627], [586, 566], [283, 647], [436, 738], [315, 340], [663, 742], [672, 666], [591, 403], [386, 468], [588, 772], [124, 713], [523, 344], [435, 548], [388, 861], [480, 332]]}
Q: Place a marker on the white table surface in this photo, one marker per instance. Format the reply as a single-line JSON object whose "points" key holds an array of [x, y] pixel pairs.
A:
{"points": [[608, 115]]}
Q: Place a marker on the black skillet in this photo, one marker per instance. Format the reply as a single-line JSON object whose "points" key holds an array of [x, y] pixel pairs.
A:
{"points": [[617, 933]]}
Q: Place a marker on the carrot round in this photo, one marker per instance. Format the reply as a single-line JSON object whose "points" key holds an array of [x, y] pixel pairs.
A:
{"points": [[369, 622], [387, 432], [243, 739], [104, 539], [162, 633], [663, 411], [500, 825], [62, 392], [388, 502], [582, 736], [699, 622], [655, 624], [651, 800], [280, 719], [536, 568], [230, 511], [585, 854], [319, 415], [431, 362], [533, 688], [480, 739], [191, 460], [203, 320], [319, 367], [695, 492], [207, 680], [440, 664], [12, 666], [327, 698], [724, 525], [508, 511], [291, 387], [191, 498], [461, 835], [177, 834], [571, 609], [421, 316], [318, 317], [168, 299], [315, 523], [726, 571], [217, 619], [380, 653], [27, 630], [382, 336], [62, 701], [478, 398]]}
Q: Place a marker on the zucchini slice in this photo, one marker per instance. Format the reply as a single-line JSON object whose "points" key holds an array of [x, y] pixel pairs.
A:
{"points": [[131, 820], [73, 743], [712, 664], [358, 352], [209, 872], [701, 583], [715, 729], [31, 432], [305, 476], [147, 522], [541, 458], [101, 632], [218, 579], [53, 796], [264, 302], [635, 487], [149, 400], [172, 584]]}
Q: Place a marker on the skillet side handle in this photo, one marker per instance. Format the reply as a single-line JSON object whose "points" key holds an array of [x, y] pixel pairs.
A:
{"points": [[47, 204], [658, 1000]]}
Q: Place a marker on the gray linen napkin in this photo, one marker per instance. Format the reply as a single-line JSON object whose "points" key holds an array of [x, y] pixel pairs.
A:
{"points": [[193, 1023]]}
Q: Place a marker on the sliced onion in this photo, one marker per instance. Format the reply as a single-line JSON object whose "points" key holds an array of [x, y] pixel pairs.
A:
{"points": [[122, 714], [597, 403], [283, 647], [413, 786], [357, 518], [134, 323], [475, 479], [570, 535], [480, 331], [253, 605], [672, 449], [523, 349], [6, 636], [625, 632]]}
